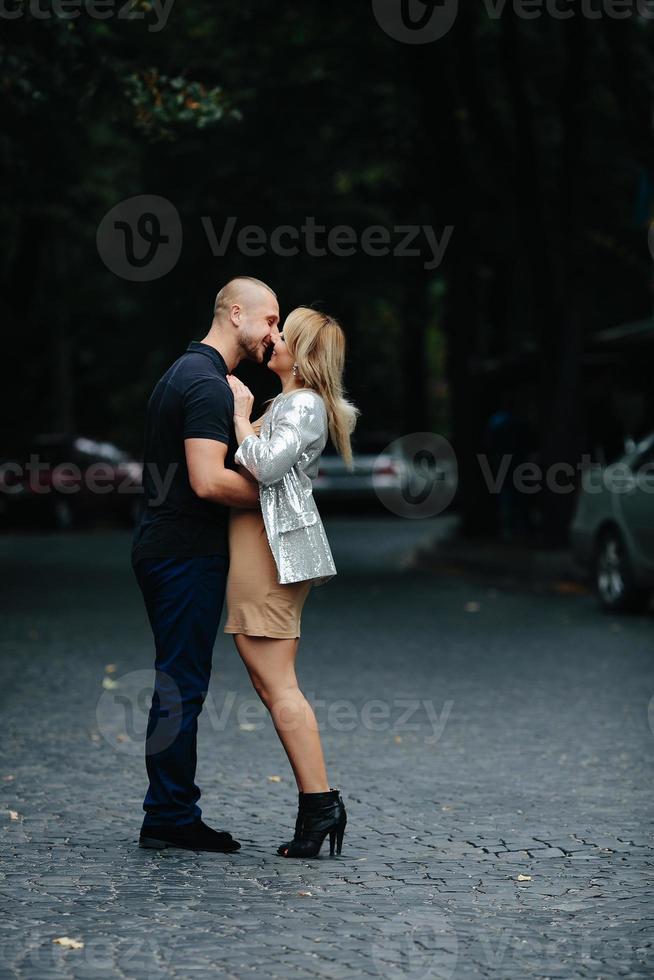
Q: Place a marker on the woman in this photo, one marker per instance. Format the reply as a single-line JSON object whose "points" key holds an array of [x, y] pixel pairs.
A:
{"points": [[278, 553]]}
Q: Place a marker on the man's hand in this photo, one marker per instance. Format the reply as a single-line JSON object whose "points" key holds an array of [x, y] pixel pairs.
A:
{"points": [[211, 480]]}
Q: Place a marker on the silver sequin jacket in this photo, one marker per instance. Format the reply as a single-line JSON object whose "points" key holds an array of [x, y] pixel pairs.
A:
{"points": [[284, 459]]}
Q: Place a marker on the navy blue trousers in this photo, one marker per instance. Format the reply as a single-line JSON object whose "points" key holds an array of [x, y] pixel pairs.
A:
{"points": [[184, 600]]}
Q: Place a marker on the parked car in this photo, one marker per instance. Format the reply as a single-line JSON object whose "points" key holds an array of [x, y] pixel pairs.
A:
{"points": [[61, 481], [386, 472], [335, 483], [612, 533]]}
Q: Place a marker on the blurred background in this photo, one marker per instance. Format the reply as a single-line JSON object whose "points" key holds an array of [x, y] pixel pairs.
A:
{"points": [[523, 146]]}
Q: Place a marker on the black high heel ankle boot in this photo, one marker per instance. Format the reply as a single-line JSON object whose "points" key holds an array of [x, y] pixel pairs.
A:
{"points": [[318, 814]]}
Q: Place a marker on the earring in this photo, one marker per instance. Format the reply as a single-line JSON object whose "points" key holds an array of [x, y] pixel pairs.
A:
{"points": [[295, 370]]}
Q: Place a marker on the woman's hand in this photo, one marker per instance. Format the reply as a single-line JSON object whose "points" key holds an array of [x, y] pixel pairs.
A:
{"points": [[243, 398]]}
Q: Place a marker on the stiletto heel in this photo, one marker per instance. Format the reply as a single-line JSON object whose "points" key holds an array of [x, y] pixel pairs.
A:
{"points": [[319, 814], [336, 838]]}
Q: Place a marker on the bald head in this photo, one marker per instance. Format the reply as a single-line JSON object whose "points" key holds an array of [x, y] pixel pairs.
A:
{"points": [[245, 319], [241, 291]]}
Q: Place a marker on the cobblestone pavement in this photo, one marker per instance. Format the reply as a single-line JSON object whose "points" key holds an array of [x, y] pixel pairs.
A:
{"points": [[494, 750]]}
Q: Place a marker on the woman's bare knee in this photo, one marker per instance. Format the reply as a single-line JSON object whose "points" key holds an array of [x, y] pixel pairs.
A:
{"points": [[272, 690], [274, 693], [270, 665], [261, 690]]}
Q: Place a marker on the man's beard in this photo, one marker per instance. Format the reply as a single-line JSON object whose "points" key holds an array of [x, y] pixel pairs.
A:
{"points": [[258, 352]]}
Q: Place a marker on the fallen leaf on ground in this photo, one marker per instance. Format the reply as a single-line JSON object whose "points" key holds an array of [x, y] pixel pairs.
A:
{"points": [[398, 739], [8, 779], [306, 894], [523, 878], [14, 815], [68, 943], [274, 779]]}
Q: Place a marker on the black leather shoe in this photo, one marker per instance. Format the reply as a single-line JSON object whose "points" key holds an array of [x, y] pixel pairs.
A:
{"points": [[319, 814], [192, 837]]}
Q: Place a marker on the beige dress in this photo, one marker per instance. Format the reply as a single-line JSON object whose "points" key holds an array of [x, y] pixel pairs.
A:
{"points": [[257, 604]]}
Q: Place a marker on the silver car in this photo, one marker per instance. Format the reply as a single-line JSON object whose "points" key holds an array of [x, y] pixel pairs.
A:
{"points": [[612, 533], [336, 483], [397, 477]]}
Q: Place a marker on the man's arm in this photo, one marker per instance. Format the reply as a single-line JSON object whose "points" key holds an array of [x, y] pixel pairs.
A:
{"points": [[211, 480]]}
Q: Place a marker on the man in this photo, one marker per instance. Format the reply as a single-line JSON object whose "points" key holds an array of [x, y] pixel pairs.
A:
{"points": [[180, 550]]}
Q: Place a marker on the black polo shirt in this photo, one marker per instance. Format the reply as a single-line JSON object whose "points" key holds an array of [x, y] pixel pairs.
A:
{"points": [[192, 400]]}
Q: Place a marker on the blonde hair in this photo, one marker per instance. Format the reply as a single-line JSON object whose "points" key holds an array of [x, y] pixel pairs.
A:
{"points": [[317, 343]]}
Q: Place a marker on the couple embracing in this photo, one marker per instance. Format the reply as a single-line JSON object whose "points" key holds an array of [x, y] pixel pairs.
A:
{"points": [[239, 520]]}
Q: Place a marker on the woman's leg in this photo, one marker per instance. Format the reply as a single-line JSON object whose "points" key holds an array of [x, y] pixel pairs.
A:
{"points": [[271, 666]]}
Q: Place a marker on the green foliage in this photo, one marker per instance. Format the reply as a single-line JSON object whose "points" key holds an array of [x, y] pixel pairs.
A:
{"points": [[166, 108]]}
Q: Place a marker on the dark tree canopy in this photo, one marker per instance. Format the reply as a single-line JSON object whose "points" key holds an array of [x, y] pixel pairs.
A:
{"points": [[529, 139]]}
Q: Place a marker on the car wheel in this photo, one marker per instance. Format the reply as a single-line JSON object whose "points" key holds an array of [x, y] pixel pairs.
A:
{"points": [[614, 581]]}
